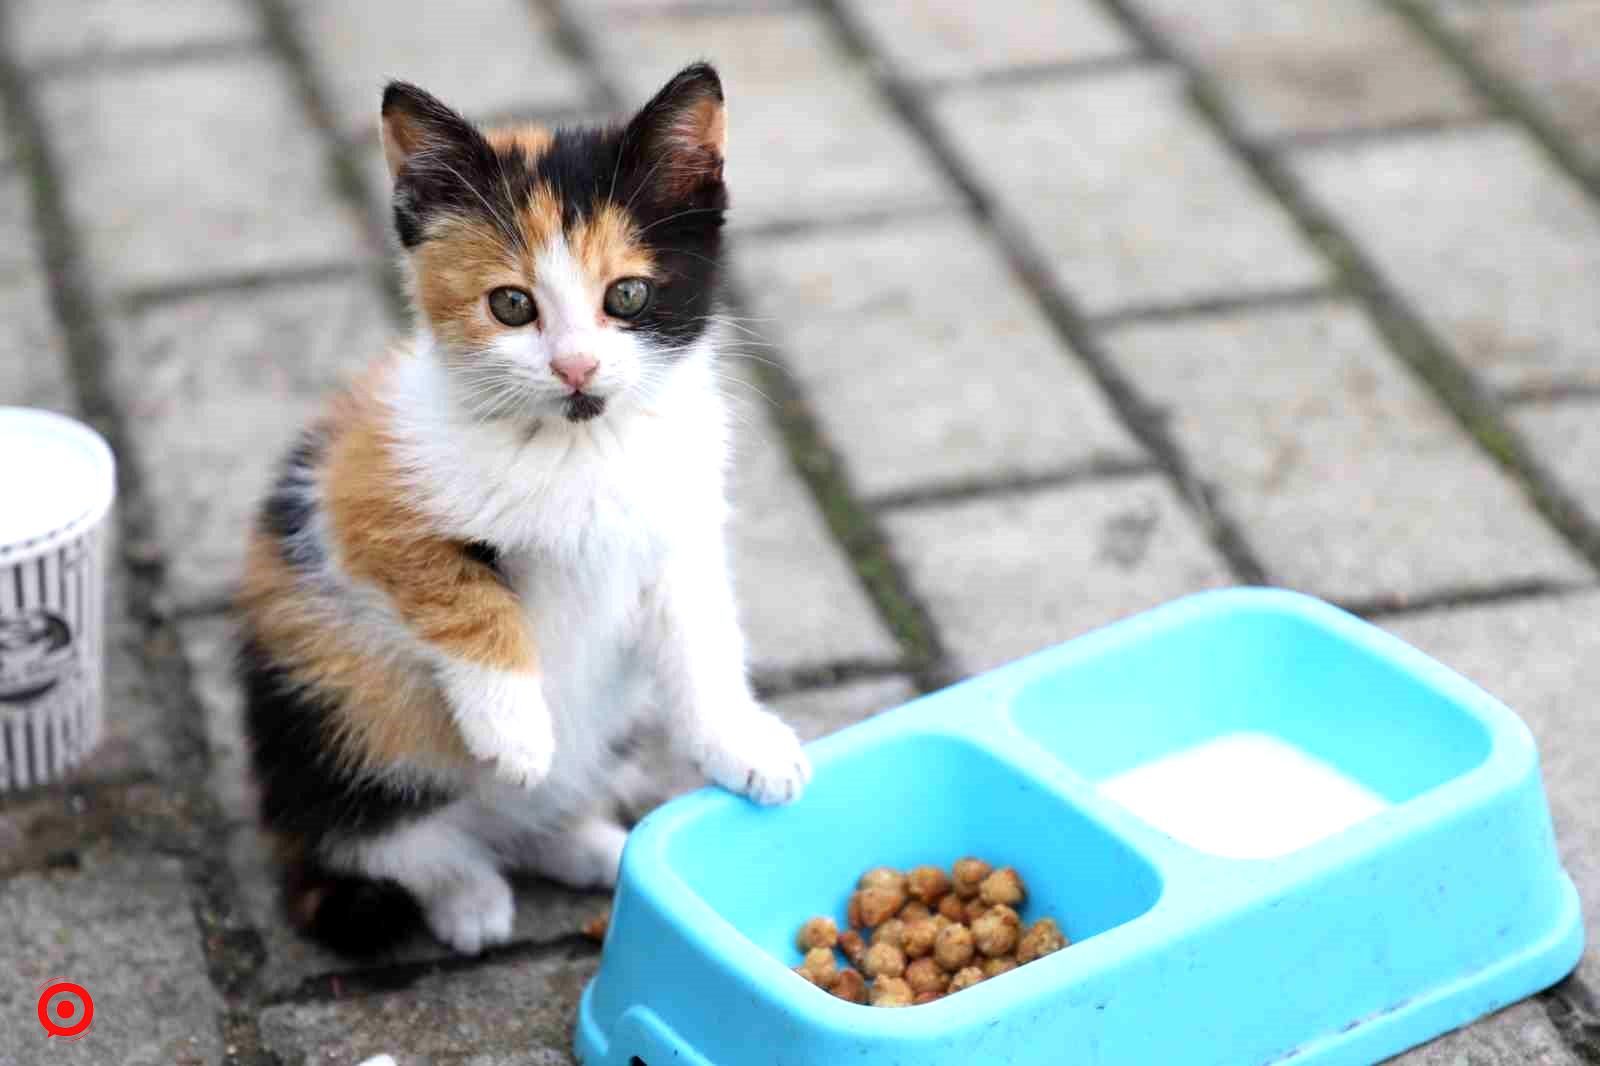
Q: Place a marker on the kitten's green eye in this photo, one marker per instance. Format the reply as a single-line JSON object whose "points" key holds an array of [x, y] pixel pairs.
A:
{"points": [[514, 307], [626, 298]]}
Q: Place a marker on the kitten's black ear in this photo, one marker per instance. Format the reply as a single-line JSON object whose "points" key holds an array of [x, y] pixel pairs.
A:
{"points": [[682, 133], [440, 163], [416, 121]]}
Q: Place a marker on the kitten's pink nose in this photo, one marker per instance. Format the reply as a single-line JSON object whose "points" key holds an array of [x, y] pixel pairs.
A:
{"points": [[575, 370]]}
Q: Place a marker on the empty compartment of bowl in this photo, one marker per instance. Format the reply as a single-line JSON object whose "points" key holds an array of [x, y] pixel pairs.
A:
{"points": [[1254, 730]]}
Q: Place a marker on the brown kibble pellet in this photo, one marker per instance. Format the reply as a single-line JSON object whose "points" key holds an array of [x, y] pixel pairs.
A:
{"points": [[851, 986], [884, 960], [852, 911], [1003, 886], [928, 883], [997, 930], [595, 928], [879, 904], [926, 997], [822, 966], [953, 947], [951, 909], [891, 932], [883, 877], [817, 933], [853, 946], [996, 967], [891, 992], [918, 938], [969, 874], [809, 976], [941, 922], [973, 909], [914, 911], [925, 975], [1042, 938], [965, 978]]}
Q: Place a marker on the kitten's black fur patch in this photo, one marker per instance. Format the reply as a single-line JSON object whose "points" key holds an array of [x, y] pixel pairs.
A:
{"points": [[483, 552], [586, 168], [292, 744], [286, 512], [357, 916], [581, 407]]}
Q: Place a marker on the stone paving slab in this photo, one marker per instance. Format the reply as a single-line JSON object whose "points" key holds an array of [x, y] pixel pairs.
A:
{"points": [[182, 173], [215, 387], [941, 41], [358, 45], [34, 371], [123, 927], [801, 603], [796, 105], [923, 358], [1566, 437], [1492, 246], [1132, 201], [1550, 51], [1337, 464], [1543, 659], [502, 1014], [1009, 575], [1314, 66], [46, 31]]}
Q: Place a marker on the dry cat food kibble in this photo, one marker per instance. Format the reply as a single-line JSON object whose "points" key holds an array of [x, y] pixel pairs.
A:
{"points": [[915, 937]]}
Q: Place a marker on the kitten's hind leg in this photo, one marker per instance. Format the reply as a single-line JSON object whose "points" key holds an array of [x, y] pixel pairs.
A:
{"points": [[583, 854], [466, 901]]}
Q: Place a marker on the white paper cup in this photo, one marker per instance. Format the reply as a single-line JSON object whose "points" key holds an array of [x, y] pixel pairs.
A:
{"points": [[57, 484]]}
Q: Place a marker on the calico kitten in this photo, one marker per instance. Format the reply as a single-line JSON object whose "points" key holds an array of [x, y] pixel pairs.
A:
{"points": [[501, 551]]}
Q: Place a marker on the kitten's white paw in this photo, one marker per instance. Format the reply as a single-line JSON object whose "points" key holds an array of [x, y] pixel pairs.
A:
{"points": [[472, 915], [503, 720], [756, 754]]}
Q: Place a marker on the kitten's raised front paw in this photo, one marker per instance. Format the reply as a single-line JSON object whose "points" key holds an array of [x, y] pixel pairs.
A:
{"points": [[474, 914], [504, 721], [757, 755]]}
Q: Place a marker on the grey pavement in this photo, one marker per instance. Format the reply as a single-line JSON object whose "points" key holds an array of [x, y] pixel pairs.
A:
{"points": [[1049, 311]]}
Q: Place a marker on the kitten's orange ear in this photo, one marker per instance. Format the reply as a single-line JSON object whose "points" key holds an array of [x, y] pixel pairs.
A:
{"points": [[415, 121], [687, 125]]}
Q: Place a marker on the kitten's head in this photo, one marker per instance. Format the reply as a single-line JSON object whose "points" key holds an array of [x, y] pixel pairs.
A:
{"points": [[560, 270]]}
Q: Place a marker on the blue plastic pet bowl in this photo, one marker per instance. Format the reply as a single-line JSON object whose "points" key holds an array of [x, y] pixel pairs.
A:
{"points": [[1272, 832]]}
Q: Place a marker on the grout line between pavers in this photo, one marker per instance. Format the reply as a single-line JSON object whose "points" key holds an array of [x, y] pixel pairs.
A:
{"points": [[1099, 468], [1574, 1010], [1355, 136], [796, 680], [1378, 608], [1506, 96], [398, 976], [815, 459], [146, 297], [1060, 70], [1555, 394], [1071, 325], [343, 162], [233, 951], [1269, 300], [1408, 337], [146, 57]]}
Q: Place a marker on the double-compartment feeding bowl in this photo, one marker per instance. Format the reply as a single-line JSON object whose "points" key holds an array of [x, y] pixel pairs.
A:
{"points": [[1272, 832]]}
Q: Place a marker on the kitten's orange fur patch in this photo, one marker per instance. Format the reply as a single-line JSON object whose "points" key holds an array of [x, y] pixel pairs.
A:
{"points": [[382, 710], [449, 599]]}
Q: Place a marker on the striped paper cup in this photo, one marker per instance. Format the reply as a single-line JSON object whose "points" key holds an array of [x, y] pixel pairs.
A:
{"points": [[57, 484]]}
